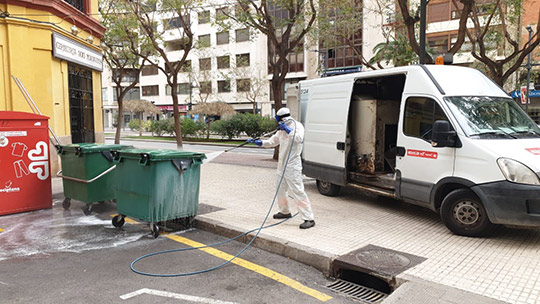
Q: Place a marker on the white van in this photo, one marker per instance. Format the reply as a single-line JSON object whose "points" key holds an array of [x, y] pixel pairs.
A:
{"points": [[443, 137]]}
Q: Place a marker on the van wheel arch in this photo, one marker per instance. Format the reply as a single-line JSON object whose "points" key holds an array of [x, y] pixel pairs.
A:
{"points": [[444, 187]]}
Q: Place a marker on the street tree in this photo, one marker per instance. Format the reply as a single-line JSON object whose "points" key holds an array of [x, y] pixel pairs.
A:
{"points": [[285, 24], [251, 82], [493, 37], [140, 107], [117, 52], [171, 55]]}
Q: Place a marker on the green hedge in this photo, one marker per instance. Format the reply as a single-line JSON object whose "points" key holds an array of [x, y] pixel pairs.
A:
{"points": [[250, 124]]}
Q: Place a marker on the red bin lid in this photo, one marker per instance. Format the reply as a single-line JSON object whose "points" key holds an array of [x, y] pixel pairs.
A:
{"points": [[14, 115]]}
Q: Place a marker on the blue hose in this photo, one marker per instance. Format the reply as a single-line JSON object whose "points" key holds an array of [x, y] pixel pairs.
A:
{"points": [[223, 242]]}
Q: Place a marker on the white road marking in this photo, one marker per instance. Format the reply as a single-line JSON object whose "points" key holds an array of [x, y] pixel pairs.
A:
{"points": [[4, 283], [172, 295]]}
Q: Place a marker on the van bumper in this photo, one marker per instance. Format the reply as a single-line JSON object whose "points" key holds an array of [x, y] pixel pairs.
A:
{"points": [[510, 204]]}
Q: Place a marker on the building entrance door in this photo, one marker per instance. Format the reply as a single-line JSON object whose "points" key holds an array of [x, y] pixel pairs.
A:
{"points": [[81, 104]]}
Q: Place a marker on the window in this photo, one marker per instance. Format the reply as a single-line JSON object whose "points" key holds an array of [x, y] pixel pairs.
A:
{"points": [[133, 94], [242, 35], [242, 60], [78, 4], [438, 12], [243, 85], [172, 23], [148, 70], [204, 41], [223, 62], [222, 13], [186, 67], [205, 87], [204, 17], [420, 114], [438, 44], [222, 37], [205, 64], [174, 45], [104, 96], [152, 90], [224, 86], [183, 89]]}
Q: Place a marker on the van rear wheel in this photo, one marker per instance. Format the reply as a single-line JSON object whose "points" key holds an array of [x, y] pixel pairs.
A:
{"points": [[464, 214], [328, 189]]}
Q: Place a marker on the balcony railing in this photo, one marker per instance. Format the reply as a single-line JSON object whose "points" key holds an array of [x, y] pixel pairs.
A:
{"points": [[78, 4]]}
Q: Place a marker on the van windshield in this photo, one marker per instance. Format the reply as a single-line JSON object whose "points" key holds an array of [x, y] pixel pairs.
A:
{"points": [[492, 117]]}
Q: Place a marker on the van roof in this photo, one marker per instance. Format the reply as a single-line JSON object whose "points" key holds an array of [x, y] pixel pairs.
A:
{"points": [[450, 80]]}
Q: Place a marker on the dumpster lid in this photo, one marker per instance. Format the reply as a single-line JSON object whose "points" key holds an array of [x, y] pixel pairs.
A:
{"points": [[93, 147], [161, 154], [15, 115]]}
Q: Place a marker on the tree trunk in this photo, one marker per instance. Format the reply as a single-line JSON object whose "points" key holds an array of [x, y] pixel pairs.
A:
{"points": [[140, 123], [176, 114], [120, 116]]}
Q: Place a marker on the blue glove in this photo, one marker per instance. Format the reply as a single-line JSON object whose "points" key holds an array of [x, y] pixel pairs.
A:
{"points": [[258, 142], [283, 126]]}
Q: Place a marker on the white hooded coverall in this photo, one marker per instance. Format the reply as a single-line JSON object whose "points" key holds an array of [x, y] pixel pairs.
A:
{"points": [[292, 181]]}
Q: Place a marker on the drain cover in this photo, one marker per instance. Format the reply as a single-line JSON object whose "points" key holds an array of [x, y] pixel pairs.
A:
{"points": [[374, 259], [382, 259], [357, 292]]}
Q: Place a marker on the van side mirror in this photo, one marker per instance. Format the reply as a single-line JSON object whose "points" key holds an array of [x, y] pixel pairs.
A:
{"points": [[442, 135]]}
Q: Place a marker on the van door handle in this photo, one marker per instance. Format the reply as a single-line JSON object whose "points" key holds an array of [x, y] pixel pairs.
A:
{"points": [[400, 151], [340, 146]]}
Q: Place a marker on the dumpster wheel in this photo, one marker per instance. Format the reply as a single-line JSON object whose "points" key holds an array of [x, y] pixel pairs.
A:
{"points": [[154, 229], [66, 203], [118, 221]]}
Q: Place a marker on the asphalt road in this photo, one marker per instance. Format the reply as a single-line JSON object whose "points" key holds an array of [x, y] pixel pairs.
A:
{"points": [[57, 256]]}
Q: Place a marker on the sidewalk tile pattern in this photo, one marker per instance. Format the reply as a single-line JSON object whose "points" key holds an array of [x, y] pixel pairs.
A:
{"points": [[504, 267]]}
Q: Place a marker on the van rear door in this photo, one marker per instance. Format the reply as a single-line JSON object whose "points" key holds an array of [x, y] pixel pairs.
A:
{"points": [[325, 142]]}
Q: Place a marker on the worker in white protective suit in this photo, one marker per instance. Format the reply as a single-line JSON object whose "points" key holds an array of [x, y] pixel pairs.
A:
{"points": [[290, 132]]}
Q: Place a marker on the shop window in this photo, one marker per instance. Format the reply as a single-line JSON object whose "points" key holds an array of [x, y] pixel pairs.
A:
{"points": [[223, 62], [242, 60], [152, 90], [222, 37], [224, 86]]}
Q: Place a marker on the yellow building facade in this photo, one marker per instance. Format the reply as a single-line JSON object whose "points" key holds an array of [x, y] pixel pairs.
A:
{"points": [[52, 46]]}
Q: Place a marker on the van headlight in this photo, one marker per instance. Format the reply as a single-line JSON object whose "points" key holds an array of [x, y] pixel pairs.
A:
{"points": [[517, 172]]}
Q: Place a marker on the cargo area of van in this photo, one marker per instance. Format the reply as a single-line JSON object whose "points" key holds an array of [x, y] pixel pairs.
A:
{"points": [[372, 131]]}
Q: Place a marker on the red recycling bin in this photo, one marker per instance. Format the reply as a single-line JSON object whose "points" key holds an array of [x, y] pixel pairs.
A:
{"points": [[25, 178]]}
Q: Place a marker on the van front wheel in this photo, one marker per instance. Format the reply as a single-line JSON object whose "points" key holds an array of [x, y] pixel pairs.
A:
{"points": [[464, 214], [328, 189]]}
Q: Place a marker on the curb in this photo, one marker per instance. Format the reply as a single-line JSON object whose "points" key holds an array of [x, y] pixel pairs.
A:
{"points": [[303, 254]]}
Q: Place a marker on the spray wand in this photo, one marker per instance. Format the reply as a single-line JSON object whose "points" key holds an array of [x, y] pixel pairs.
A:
{"points": [[243, 144]]}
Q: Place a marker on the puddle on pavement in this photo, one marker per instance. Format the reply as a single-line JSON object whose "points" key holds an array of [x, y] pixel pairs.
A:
{"points": [[58, 230]]}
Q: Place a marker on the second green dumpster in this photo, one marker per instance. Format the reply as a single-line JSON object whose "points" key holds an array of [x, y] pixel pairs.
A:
{"points": [[157, 185]]}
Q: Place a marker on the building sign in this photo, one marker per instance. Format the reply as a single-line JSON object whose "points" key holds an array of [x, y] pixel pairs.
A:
{"points": [[181, 108], [72, 51]]}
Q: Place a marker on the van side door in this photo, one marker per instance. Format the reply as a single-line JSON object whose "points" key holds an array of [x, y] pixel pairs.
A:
{"points": [[421, 165], [325, 141]]}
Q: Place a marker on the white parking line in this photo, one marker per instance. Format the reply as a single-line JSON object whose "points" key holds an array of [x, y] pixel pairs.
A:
{"points": [[172, 295]]}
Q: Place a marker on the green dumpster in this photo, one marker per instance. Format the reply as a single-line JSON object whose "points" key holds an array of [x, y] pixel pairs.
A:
{"points": [[157, 185], [88, 173]]}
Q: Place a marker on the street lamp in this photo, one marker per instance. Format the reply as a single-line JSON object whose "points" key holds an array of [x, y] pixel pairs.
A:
{"points": [[529, 29]]}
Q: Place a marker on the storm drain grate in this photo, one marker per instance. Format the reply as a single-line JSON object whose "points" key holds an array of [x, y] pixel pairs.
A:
{"points": [[357, 292]]}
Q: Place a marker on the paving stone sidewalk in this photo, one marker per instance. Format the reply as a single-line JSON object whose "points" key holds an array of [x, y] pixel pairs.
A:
{"points": [[505, 267]]}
